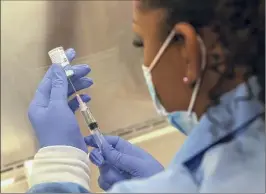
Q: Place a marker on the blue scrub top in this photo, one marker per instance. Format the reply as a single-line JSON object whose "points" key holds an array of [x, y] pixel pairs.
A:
{"points": [[224, 153]]}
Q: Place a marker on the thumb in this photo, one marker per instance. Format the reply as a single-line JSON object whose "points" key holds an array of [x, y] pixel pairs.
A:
{"points": [[121, 161], [59, 83], [96, 157]]}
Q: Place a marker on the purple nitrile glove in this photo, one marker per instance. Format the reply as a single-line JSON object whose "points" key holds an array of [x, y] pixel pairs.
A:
{"points": [[120, 160]]}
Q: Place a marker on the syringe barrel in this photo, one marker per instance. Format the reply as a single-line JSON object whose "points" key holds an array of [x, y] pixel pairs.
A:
{"points": [[98, 138], [93, 127], [89, 119]]}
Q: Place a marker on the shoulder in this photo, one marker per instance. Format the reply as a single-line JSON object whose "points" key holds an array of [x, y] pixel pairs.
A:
{"points": [[237, 166]]}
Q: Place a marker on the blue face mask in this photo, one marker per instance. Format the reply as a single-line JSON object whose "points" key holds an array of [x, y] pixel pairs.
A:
{"points": [[184, 121]]}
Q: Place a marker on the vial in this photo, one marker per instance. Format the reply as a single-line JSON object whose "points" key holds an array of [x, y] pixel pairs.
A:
{"points": [[58, 56]]}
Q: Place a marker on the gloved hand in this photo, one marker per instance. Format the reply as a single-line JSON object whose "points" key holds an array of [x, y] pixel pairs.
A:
{"points": [[50, 114], [120, 160]]}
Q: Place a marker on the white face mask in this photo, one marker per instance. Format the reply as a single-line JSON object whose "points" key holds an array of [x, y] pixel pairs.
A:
{"points": [[185, 121]]}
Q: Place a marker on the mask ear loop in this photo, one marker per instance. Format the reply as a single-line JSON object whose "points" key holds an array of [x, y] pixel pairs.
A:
{"points": [[197, 85], [162, 49]]}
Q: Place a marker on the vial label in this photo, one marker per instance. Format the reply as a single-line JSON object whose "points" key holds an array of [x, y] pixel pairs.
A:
{"points": [[58, 56]]}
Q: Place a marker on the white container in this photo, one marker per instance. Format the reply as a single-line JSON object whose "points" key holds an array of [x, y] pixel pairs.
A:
{"points": [[58, 56]]}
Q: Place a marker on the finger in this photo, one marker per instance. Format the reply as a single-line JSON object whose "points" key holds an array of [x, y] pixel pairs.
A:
{"points": [[112, 175], [42, 95], [89, 140], [79, 84], [74, 105], [71, 54], [80, 71], [59, 84], [120, 160], [102, 184], [96, 157], [112, 140]]}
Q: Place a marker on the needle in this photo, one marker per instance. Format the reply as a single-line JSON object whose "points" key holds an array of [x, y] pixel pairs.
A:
{"points": [[72, 85]]}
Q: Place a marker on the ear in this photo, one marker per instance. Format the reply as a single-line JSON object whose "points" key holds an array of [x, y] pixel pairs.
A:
{"points": [[190, 51]]}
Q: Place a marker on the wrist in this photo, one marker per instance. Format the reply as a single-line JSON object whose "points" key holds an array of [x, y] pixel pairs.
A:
{"points": [[55, 164], [67, 139]]}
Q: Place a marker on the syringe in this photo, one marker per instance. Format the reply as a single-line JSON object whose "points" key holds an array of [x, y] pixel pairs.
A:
{"points": [[58, 56], [91, 122], [89, 119]]}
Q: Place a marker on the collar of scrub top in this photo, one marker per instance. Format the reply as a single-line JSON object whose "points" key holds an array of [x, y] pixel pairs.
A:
{"points": [[231, 117]]}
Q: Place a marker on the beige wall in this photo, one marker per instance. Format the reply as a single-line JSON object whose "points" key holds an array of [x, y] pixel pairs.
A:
{"points": [[24, 35]]}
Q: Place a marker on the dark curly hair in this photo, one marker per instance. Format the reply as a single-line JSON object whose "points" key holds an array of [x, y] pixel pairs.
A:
{"points": [[240, 25]]}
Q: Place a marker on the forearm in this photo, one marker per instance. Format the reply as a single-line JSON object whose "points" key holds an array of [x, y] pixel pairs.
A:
{"points": [[65, 169], [60, 169]]}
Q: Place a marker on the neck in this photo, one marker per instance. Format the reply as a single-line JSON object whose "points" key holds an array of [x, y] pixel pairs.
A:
{"points": [[203, 100]]}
